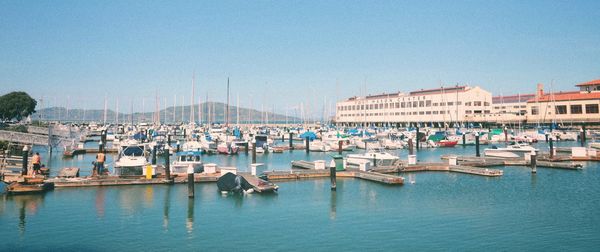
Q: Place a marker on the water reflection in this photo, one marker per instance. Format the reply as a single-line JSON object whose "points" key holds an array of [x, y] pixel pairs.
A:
{"points": [[166, 206], [333, 205], [533, 180], [189, 221], [28, 205], [100, 201]]}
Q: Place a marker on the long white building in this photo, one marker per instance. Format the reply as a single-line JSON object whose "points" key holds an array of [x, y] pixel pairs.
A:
{"points": [[458, 104]]}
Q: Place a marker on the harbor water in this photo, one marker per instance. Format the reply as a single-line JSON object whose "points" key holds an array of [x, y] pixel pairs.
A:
{"points": [[553, 210]]}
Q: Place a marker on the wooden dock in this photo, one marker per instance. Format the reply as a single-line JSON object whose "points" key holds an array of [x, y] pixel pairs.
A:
{"points": [[544, 161], [349, 173], [453, 168]]}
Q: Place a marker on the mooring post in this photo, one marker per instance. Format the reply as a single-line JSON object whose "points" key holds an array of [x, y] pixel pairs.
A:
{"points": [[307, 144], [547, 137], [100, 146], [533, 162], [190, 172], [169, 140], [290, 140], [410, 146], [583, 135], [246, 145], [282, 137], [185, 133], [477, 144], [551, 149], [464, 140], [374, 161], [505, 135], [154, 155], [167, 165], [254, 152], [332, 176], [340, 147], [417, 138], [179, 146], [25, 159]]}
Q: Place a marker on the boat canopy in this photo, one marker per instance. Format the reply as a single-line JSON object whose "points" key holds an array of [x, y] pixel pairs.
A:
{"points": [[308, 134]]}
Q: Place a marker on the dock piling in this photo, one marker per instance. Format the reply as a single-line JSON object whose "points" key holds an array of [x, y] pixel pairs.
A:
{"points": [[290, 140], [154, 155], [410, 146], [464, 140], [332, 176], [178, 146], [533, 162], [190, 174], [254, 153], [307, 144], [25, 157], [417, 137], [167, 165], [477, 145], [340, 147]]}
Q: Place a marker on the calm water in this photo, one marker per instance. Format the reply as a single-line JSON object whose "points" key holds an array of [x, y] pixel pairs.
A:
{"points": [[554, 210]]}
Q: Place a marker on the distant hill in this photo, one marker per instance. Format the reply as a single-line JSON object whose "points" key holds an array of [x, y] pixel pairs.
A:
{"points": [[166, 115]]}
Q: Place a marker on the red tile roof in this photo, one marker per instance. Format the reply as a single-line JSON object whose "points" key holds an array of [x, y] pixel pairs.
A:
{"points": [[589, 83], [567, 96]]}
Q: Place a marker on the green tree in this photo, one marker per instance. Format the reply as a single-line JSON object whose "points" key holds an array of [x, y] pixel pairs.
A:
{"points": [[16, 105]]}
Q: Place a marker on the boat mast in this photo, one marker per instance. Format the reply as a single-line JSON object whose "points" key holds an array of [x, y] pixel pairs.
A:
{"points": [[227, 110], [192, 99]]}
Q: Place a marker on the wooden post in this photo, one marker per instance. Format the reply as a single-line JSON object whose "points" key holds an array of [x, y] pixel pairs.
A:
{"points": [[340, 147], [254, 152], [247, 146], [332, 177], [307, 144], [410, 147], [477, 145], [167, 165], [551, 149], [101, 146], [464, 140], [547, 137], [290, 140], [533, 162], [25, 159], [583, 136], [417, 137], [178, 146], [190, 172], [282, 137], [169, 140], [505, 135], [154, 155]]}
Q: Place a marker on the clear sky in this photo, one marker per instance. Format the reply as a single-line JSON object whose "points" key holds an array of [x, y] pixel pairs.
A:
{"points": [[281, 53]]}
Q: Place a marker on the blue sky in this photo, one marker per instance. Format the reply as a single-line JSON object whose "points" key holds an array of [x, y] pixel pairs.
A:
{"points": [[282, 53]]}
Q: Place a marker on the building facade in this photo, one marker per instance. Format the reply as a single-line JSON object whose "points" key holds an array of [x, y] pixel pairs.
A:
{"points": [[464, 104], [441, 105]]}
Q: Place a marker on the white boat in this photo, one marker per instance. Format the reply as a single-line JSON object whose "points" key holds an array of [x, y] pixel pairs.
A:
{"points": [[318, 146], [381, 157], [184, 160], [131, 160], [515, 150]]}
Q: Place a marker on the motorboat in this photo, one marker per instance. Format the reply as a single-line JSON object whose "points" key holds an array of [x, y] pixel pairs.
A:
{"points": [[227, 148], [379, 156], [514, 150], [185, 159], [131, 160], [318, 146]]}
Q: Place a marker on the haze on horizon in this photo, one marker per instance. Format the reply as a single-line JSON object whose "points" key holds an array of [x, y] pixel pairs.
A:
{"points": [[283, 53]]}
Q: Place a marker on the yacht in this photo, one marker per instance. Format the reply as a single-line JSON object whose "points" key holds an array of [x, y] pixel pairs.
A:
{"points": [[131, 159], [185, 159], [380, 156], [514, 150]]}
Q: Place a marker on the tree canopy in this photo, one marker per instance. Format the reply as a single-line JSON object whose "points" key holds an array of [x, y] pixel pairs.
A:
{"points": [[16, 105]]}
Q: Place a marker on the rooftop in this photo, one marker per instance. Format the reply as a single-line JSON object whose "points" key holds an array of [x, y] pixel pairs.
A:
{"points": [[589, 83], [512, 98], [439, 90], [567, 96]]}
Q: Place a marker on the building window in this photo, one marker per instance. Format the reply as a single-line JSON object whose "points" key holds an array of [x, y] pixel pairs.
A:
{"points": [[486, 111], [421, 112], [428, 113], [476, 111], [402, 113], [591, 108], [397, 104], [450, 103], [435, 104], [477, 103], [535, 110], [467, 103], [467, 111], [561, 110], [486, 104], [435, 112], [442, 112], [421, 104], [415, 103], [458, 103], [576, 109], [428, 103]]}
